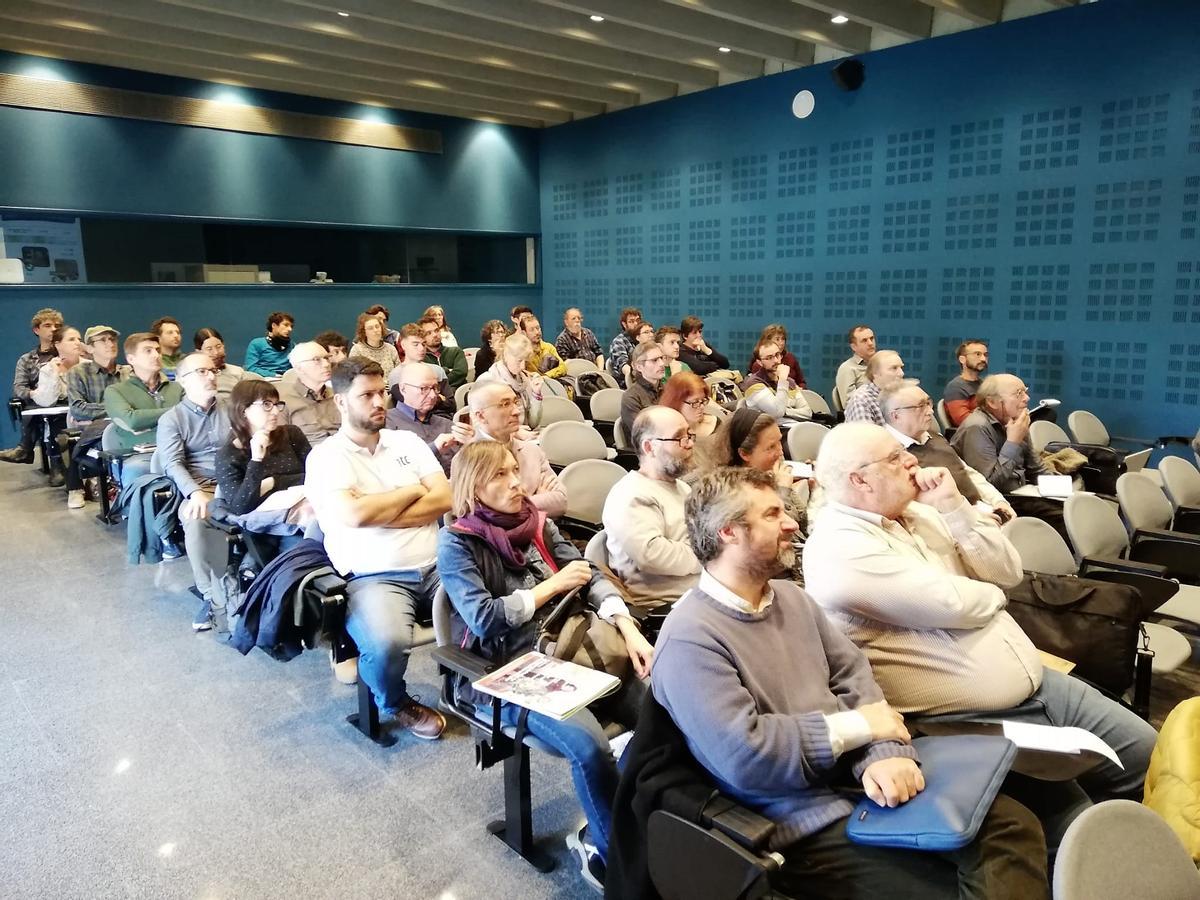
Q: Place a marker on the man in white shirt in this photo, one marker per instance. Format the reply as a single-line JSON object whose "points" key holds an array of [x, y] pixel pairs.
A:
{"points": [[378, 495], [852, 374], [644, 522], [915, 575]]}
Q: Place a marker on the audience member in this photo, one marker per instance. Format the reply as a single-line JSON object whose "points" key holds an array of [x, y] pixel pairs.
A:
{"points": [[852, 374], [908, 417], [268, 356], [503, 563], [885, 369], [517, 313], [415, 412], [667, 337], [701, 358], [622, 345], [496, 416], [51, 391], [452, 360], [972, 356], [994, 440], [780, 708], [369, 343], [915, 576], [25, 379], [170, 339], [381, 312], [209, 340], [189, 435], [771, 389], [136, 404], [412, 352], [491, 344], [86, 384], [335, 345], [577, 342], [510, 369], [544, 360], [645, 334], [378, 495], [306, 394], [644, 526], [687, 394], [778, 334], [264, 455], [644, 385], [439, 316]]}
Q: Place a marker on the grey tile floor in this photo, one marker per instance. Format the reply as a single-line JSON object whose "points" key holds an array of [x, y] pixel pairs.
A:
{"points": [[138, 759]]}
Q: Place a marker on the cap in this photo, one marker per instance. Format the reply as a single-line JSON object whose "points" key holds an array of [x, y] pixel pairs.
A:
{"points": [[96, 330]]}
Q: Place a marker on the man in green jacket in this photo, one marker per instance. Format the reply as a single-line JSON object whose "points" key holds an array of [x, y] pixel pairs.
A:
{"points": [[452, 359], [136, 404]]}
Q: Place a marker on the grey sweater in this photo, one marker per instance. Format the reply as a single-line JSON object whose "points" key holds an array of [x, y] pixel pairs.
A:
{"points": [[750, 693]]}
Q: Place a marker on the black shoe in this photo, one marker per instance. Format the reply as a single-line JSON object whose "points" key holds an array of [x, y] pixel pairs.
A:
{"points": [[58, 475], [591, 866], [17, 455]]}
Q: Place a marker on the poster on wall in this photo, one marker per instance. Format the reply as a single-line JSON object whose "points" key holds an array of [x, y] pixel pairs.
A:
{"points": [[50, 248]]}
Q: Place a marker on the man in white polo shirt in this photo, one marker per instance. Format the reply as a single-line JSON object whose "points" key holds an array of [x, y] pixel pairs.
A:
{"points": [[378, 495]]}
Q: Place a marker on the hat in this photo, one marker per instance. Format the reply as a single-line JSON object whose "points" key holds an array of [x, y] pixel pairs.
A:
{"points": [[96, 330]]}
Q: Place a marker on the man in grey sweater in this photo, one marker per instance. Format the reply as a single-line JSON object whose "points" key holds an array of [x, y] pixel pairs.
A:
{"points": [[781, 708]]}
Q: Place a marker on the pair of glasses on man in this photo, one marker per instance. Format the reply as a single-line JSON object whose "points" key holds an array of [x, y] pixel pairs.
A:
{"points": [[689, 438]]}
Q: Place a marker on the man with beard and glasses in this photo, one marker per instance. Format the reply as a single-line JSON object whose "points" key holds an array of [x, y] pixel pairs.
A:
{"points": [[783, 711], [959, 394], [378, 495], [646, 534]]}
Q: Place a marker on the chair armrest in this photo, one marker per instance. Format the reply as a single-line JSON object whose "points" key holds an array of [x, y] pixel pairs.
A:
{"points": [[1155, 590], [1186, 521], [748, 828], [1103, 564], [1162, 534], [328, 585], [227, 528], [461, 662], [1177, 552]]}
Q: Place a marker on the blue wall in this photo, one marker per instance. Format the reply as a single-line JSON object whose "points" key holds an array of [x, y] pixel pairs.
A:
{"points": [[239, 312], [484, 180], [1035, 183]]}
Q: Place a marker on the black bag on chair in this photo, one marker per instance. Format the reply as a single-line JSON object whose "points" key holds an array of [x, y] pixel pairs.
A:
{"points": [[1094, 624]]}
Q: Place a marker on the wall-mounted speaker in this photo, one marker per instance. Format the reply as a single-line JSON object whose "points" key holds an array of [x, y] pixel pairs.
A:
{"points": [[849, 74]]}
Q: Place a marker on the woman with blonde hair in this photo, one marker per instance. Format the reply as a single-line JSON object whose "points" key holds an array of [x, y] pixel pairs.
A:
{"points": [[511, 369], [504, 565]]}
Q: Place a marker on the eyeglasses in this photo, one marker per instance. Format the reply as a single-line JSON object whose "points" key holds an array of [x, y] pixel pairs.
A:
{"points": [[927, 404], [316, 359], [651, 360], [765, 356], [201, 370], [892, 459], [690, 438], [423, 388], [504, 404], [268, 405], [699, 403]]}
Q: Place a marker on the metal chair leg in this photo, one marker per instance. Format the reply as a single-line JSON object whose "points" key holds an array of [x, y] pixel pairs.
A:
{"points": [[516, 828], [366, 719]]}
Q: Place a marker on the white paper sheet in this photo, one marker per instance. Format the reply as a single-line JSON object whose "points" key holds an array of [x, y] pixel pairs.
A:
{"points": [[1054, 487], [1057, 740]]}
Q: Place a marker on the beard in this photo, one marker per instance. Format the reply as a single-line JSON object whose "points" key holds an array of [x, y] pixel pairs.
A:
{"points": [[782, 561], [675, 467], [365, 423]]}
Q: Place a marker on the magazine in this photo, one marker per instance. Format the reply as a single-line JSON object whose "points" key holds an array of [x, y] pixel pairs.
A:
{"points": [[543, 684]]}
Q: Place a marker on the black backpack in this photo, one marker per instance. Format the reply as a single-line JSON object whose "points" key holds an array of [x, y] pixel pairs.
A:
{"points": [[589, 383]]}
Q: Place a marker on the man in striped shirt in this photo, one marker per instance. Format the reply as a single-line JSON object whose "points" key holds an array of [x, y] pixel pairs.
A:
{"points": [[915, 575]]}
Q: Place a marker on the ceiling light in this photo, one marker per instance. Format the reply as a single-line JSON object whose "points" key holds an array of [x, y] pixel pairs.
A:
{"points": [[724, 50], [596, 18], [344, 15], [839, 19]]}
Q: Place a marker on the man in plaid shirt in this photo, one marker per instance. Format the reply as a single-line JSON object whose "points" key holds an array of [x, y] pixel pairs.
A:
{"points": [[884, 370], [25, 379], [575, 341]]}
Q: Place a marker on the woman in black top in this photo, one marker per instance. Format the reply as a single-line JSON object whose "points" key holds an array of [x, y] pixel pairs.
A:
{"points": [[491, 341], [262, 455]]}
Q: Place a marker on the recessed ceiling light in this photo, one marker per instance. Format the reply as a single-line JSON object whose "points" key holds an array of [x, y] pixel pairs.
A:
{"points": [[596, 18], [724, 50], [839, 20], [344, 15]]}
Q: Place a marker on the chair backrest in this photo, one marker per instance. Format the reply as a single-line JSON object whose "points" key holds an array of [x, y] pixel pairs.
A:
{"points": [[606, 405], [1182, 481], [579, 366], [559, 409], [804, 440], [1042, 433], [1040, 547], [460, 394], [622, 440], [553, 388], [1087, 428], [565, 442], [1095, 527], [596, 551], [816, 402], [442, 609], [942, 416], [1143, 503], [470, 353], [587, 483], [110, 438], [1119, 849], [836, 400]]}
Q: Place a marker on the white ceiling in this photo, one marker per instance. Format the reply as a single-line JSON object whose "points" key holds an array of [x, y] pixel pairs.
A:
{"points": [[522, 62]]}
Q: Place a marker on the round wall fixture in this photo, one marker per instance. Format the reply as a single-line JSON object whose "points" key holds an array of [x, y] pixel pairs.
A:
{"points": [[803, 104]]}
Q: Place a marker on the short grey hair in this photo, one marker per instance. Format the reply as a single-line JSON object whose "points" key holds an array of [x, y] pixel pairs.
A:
{"points": [[485, 392], [408, 370], [641, 351], [876, 363], [716, 502], [841, 453], [989, 390], [890, 399]]}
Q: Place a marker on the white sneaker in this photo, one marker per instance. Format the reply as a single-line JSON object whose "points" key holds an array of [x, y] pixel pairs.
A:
{"points": [[346, 671], [75, 499]]}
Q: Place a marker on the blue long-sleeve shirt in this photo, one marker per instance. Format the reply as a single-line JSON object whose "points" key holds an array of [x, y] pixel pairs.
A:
{"points": [[264, 359]]}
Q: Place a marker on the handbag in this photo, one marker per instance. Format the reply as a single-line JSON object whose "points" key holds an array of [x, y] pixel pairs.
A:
{"points": [[963, 774], [1094, 624], [576, 634]]}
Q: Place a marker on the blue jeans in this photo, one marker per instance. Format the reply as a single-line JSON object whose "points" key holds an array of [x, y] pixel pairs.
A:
{"points": [[580, 740], [1067, 701], [383, 609]]}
